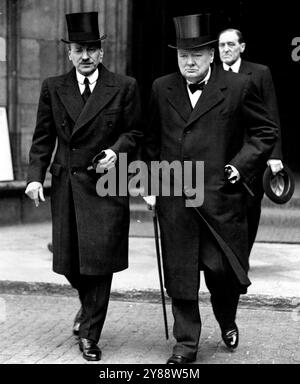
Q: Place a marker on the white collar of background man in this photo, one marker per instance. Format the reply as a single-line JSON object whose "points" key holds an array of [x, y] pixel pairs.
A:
{"points": [[235, 67]]}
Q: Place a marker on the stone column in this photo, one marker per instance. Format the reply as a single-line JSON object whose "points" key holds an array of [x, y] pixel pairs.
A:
{"points": [[3, 44]]}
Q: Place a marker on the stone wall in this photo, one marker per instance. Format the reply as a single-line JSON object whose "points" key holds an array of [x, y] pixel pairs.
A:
{"points": [[36, 27], [3, 78]]}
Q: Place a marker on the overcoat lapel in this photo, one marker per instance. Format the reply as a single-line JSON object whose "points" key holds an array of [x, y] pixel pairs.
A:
{"points": [[211, 96], [244, 68], [178, 97], [69, 95], [104, 91]]}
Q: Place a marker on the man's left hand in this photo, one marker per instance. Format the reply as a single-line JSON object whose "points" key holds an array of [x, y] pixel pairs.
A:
{"points": [[233, 174], [108, 161], [275, 165]]}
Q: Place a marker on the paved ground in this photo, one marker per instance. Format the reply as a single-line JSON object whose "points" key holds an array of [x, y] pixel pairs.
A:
{"points": [[37, 308], [24, 257], [37, 330]]}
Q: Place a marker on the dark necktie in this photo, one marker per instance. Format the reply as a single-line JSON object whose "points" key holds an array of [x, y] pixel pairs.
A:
{"points": [[230, 69], [87, 92], [197, 86]]}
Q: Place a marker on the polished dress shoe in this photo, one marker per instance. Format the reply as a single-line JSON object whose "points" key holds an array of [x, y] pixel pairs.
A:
{"points": [[230, 336], [179, 359], [76, 324], [90, 350]]}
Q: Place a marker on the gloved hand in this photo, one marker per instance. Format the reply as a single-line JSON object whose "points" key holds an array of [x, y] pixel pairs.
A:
{"points": [[108, 161], [150, 201], [275, 165], [35, 192], [232, 173]]}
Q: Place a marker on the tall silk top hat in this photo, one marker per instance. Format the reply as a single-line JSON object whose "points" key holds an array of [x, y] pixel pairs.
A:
{"points": [[83, 28], [193, 31]]}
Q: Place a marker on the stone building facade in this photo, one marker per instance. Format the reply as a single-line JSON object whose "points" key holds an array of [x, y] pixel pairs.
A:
{"points": [[30, 31], [30, 51], [139, 32]]}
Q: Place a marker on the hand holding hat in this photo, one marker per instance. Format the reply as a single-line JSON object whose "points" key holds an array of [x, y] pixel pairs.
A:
{"points": [[279, 187]]}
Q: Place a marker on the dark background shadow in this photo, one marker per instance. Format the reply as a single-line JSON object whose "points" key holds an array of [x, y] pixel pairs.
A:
{"points": [[268, 28]]}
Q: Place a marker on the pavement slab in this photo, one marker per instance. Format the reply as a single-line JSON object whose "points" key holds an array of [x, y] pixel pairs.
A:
{"points": [[37, 330], [24, 257], [37, 308]]}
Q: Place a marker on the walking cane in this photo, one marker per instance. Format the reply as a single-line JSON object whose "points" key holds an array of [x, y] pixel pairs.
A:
{"points": [[155, 223]]}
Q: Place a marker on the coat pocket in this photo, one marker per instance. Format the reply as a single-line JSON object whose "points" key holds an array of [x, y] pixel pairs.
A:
{"points": [[113, 111], [112, 117], [56, 169]]}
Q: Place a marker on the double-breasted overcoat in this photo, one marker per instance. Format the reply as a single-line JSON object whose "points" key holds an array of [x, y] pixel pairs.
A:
{"points": [[97, 237], [229, 125]]}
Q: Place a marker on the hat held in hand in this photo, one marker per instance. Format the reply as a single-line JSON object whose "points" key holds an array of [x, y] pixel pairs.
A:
{"points": [[279, 187]]}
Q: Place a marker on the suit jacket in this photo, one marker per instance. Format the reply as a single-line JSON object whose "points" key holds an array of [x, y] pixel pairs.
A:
{"points": [[262, 78], [229, 124], [109, 119]]}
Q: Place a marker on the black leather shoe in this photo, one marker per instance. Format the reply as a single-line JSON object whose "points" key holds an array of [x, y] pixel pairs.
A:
{"points": [[76, 324], [90, 350], [230, 336], [179, 359]]}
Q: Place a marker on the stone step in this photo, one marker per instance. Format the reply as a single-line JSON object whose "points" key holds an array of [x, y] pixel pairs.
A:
{"points": [[289, 217], [279, 223], [271, 213], [266, 202]]}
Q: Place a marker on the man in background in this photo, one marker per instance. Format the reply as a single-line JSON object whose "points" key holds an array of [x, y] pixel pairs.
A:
{"points": [[231, 46]]}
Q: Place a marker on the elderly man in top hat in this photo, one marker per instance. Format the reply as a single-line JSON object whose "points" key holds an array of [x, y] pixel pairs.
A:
{"points": [[87, 111], [202, 113], [231, 46]]}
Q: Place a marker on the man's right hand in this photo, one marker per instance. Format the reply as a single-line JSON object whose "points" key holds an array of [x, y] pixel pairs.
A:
{"points": [[150, 201], [35, 192]]}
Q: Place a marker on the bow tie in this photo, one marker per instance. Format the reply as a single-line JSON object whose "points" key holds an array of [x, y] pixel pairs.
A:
{"points": [[196, 86]]}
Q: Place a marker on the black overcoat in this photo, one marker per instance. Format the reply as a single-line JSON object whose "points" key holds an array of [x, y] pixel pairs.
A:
{"points": [[215, 132], [109, 119], [261, 77]]}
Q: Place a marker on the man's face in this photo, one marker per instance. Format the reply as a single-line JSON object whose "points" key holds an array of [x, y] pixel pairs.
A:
{"points": [[85, 57], [194, 64], [229, 47]]}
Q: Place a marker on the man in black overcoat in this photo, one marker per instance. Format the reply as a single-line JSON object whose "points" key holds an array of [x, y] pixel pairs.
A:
{"points": [[231, 46], [85, 112], [204, 114]]}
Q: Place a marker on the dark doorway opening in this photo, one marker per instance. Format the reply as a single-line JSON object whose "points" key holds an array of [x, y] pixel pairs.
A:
{"points": [[268, 28], [153, 29]]}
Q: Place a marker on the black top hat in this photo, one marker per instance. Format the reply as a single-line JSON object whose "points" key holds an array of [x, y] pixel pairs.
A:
{"points": [[280, 187], [193, 31], [83, 28]]}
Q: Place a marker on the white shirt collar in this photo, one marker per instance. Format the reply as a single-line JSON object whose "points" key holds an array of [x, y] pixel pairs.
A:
{"points": [[235, 67], [206, 78], [92, 78]]}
